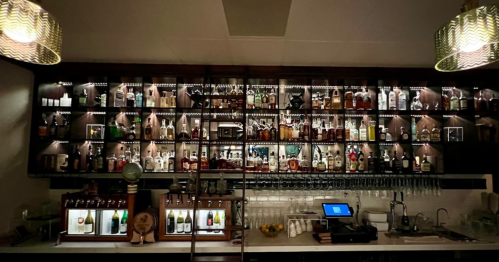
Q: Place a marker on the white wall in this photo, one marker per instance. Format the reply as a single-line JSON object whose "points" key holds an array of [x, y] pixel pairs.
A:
{"points": [[16, 188]]}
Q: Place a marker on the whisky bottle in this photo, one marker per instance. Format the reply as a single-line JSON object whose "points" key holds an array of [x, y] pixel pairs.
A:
{"points": [[406, 164], [162, 132], [339, 132], [349, 100], [359, 100], [130, 98], [89, 226], [425, 134], [222, 161], [445, 101], [265, 99], [425, 165], [315, 130], [272, 99], [315, 162], [183, 134], [301, 134], [382, 134], [404, 136], [304, 164], [265, 164], [165, 156], [240, 98], [395, 163], [53, 129], [321, 165], [402, 100], [315, 101], [392, 100], [150, 100], [90, 159], [338, 162], [324, 131], [327, 100], [119, 98], [76, 160], [250, 98], [216, 101], [493, 103], [115, 223], [185, 162], [362, 132], [170, 222], [195, 130], [170, 131], [283, 164], [336, 104], [171, 162], [435, 134], [158, 162], [111, 163], [214, 162], [136, 156], [348, 136], [164, 101], [173, 99], [148, 163], [188, 223], [266, 132], [180, 222], [330, 163], [454, 101], [272, 163], [293, 163], [290, 129], [233, 103], [99, 161], [273, 132], [258, 163], [372, 130], [82, 99], [258, 99], [371, 163], [366, 99], [193, 162], [306, 128], [354, 132], [42, 127], [205, 165], [387, 166], [148, 130]]}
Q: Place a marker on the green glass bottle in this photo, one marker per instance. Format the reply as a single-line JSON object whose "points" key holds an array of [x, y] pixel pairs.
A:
{"points": [[124, 223], [115, 223]]}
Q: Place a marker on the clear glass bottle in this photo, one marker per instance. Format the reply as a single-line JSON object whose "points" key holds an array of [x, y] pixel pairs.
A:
{"points": [[162, 130], [171, 162], [150, 100], [366, 99], [265, 164], [348, 135], [222, 161], [183, 134], [435, 134], [170, 131], [331, 133], [463, 102], [136, 156], [413, 129], [392, 100], [362, 132], [388, 135], [330, 162], [321, 165], [372, 130], [193, 162], [382, 99], [315, 101], [324, 131], [314, 164], [82, 99], [272, 99], [416, 102], [327, 101], [130, 98], [304, 164], [265, 99], [250, 162], [128, 155], [111, 163], [138, 99], [165, 156], [293, 163], [425, 134], [216, 101], [454, 101], [148, 162], [164, 101], [339, 132], [173, 99], [402, 100], [354, 132], [258, 99], [338, 162], [250, 98], [119, 98], [158, 162], [386, 161], [404, 136], [336, 98], [283, 164]]}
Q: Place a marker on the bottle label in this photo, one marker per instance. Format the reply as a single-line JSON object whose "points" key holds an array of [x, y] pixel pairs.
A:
{"points": [[170, 164], [382, 136], [265, 105], [272, 99], [88, 228], [194, 166], [185, 165], [148, 131], [210, 222], [149, 164], [405, 136], [187, 227], [123, 228], [321, 166], [42, 131], [330, 163], [292, 165], [119, 96], [338, 163], [361, 165], [180, 227], [464, 104], [52, 130], [425, 167], [251, 100], [405, 163]]}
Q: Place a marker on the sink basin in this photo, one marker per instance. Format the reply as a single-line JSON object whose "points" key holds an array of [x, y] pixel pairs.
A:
{"points": [[409, 234], [453, 235]]}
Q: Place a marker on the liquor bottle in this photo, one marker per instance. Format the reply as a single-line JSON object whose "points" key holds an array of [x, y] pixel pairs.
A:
{"points": [[272, 163], [382, 134], [413, 129], [331, 133], [362, 132], [336, 104], [304, 165], [324, 131], [339, 132], [239, 161], [349, 100], [258, 99], [265, 164], [392, 100], [90, 159], [185, 162], [63, 130], [425, 134], [259, 130], [188, 223], [395, 163], [183, 134], [195, 130], [266, 132], [354, 132], [372, 130], [136, 156], [224, 103], [115, 223], [169, 162], [272, 99], [76, 160], [338, 162], [463, 102], [53, 130], [402, 100], [205, 165], [359, 100], [233, 101], [265, 100], [315, 130], [425, 165], [382, 99], [366, 99], [347, 129], [404, 136], [290, 129], [347, 156], [138, 100], [111, 163], [315, 101], [435, 134], [360, 161], [150, 100], [180, 222], [273, 132], [89, 224], [250, 98], [98, 161], [162, 130], [371, 163], [158, 162], [214, 162], [386, 165], [148, 162], [406, 164], [327, 100], [330, 163], [222, 161], [493, 103], [130, 98], [193, 162], [170, 130], [250, 162], [315, 162], [320, 102], [217, 222], [209, 219], [173, 99], [163, 100], [170, 222], [454, 101], [124, 223], [321, 165], [445, 101], [388, 135], [353, 160], [283, 164], [293, 163], [319, 131], [42, 127], [240, 98], [119, 98], [258, 163], [416, 102], [82, 99]]}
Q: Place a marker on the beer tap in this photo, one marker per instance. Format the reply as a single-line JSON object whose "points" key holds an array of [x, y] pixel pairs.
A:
{"points": [[99, 200], [68, 200], [168, 199], [189, 199], [121, 201], [220, 203], [110, 201], [90, 201], [78, 201], [179, 199], [209, 203]]}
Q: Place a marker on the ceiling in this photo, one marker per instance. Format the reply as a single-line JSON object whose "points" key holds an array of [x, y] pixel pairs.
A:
{"points": [[378, 33]]}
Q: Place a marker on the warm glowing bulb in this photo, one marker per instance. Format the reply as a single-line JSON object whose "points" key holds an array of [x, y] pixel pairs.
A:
{"points": [[22, 32]]}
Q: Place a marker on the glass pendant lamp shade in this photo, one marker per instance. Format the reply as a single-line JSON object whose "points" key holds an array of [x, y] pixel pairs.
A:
{"points": [[469, 40], [28, 33]]}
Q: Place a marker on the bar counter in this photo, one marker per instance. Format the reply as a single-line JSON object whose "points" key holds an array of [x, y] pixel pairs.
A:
{"points": [[257, 242]]}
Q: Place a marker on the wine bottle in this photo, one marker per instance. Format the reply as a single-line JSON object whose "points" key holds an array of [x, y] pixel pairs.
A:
{"points": [[209, 219], [188, 223], [124, 223], [115, 223], [180, 222], [217, 221], [170, 223], [89, 223]]}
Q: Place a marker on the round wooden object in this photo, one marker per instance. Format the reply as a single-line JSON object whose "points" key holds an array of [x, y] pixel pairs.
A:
{"points": [[146, 221]]}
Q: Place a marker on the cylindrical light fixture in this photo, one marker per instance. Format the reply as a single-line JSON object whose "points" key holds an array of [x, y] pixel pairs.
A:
{"points": [[469, 40], [29, 33]]}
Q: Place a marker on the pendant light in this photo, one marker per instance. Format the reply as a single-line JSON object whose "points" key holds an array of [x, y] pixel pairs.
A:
{"points": [[469, 40], [29, 33]]}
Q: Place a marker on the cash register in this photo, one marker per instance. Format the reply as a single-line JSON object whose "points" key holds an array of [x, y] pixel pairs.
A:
{"points": [[346, 232]]}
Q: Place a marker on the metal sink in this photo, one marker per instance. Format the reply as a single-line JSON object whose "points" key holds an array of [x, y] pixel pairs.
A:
{"points": [[409, 234], [454, 236]]}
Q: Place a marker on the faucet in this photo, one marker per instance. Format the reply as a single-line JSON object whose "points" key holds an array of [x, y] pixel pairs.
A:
{"points": [[438, 221], [393, 204], [415, 227]]}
